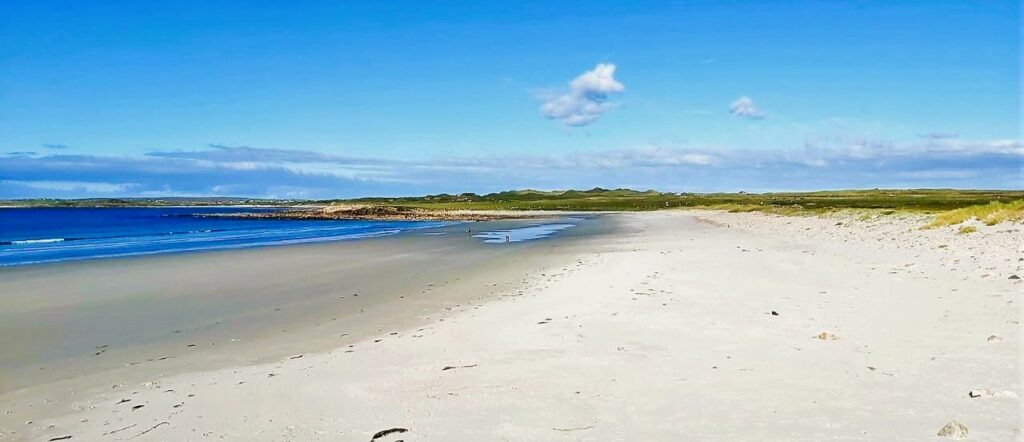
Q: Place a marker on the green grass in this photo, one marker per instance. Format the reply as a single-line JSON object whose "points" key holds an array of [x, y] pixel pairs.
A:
{"points": [[990, 214], [949, 206], [784, 210], [916, 200]]}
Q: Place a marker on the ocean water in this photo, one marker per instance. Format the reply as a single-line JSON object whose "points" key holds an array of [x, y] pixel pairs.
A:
{"points": [[522, 233], [29, 236]]}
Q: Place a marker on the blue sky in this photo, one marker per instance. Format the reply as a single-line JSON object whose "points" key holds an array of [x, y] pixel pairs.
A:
{"points": [[334, 99]]}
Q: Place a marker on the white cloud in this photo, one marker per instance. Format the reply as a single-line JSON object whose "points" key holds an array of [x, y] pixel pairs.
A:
{"points": [[1003, 146], [81, 186], [587, 99], [643, 157], [744, 107], [941, 174], [598, 81], [846, 162]]}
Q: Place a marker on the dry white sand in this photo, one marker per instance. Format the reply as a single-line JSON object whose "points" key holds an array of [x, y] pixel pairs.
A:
{"points": [[666, 333]]}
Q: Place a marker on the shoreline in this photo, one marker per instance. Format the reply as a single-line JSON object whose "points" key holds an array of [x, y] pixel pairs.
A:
{"points": [[679, 321], [40, 297], [218, 248], [394, 213], [200, 230]]}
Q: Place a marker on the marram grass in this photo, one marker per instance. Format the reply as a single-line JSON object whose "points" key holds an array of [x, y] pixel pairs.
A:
{"points": [[966, 229], [989, 214]]}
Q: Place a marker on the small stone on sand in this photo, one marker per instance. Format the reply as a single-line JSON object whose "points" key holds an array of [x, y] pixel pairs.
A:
{"points": [[825, 336], [954, 430]]}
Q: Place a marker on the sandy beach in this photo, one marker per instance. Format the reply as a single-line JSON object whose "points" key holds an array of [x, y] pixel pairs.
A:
{"points": [[670, 325]]}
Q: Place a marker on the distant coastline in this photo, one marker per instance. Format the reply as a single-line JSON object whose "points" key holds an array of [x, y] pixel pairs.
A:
{"points": [[518, 204], [384, 213]]}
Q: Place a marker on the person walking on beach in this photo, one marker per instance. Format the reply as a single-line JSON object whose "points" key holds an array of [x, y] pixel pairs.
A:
{"points": [[507, 239]]}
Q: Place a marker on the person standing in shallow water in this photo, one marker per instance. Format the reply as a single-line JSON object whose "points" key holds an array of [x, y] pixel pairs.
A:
{"points": [[507, 239]]}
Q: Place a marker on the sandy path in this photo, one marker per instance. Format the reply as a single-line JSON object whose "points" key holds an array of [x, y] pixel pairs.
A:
{"points": [[665, 334]]}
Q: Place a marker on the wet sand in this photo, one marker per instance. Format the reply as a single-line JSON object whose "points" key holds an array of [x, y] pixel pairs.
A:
{"points": [[60, 323]]}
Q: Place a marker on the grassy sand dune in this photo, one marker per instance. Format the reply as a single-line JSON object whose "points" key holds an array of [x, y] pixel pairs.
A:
{"points": [[598, 199], [631, 200], [989, 214], [948, 207]]}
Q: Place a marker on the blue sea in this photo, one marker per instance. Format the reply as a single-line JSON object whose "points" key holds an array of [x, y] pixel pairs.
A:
{"points": [[29, 236]]}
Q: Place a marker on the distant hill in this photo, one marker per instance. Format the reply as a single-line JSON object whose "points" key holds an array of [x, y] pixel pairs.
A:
{"points": [[601, 199], [628, 199]]}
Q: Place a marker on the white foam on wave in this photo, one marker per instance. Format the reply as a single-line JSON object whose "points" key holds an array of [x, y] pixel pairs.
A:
{"points": [[37, 241]]}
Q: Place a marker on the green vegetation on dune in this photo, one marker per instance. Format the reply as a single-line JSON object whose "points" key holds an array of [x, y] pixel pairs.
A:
{"points": [[594, 199], [965, 230], [922, 200], [990, 214], [950, 206]]}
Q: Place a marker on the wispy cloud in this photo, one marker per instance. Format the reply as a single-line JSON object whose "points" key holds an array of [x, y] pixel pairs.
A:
{"points": [[744, 107], [83, 187], [245, 154], [55, 146], [296, 173], [938, 135], [587, 98], [25, 177]]}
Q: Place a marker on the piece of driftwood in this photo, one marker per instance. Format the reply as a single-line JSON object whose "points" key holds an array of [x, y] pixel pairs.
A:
{"points": [[151, 429], [383, 433], [119, 429], [452, 367], [573, 429]]}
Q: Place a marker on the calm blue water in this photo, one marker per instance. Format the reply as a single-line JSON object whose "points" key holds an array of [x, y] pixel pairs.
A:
{"points": [[523, 233], [48, 235]]}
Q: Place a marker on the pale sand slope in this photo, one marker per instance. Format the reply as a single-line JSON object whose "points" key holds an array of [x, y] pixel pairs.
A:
{"points": [[665, 334]]}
